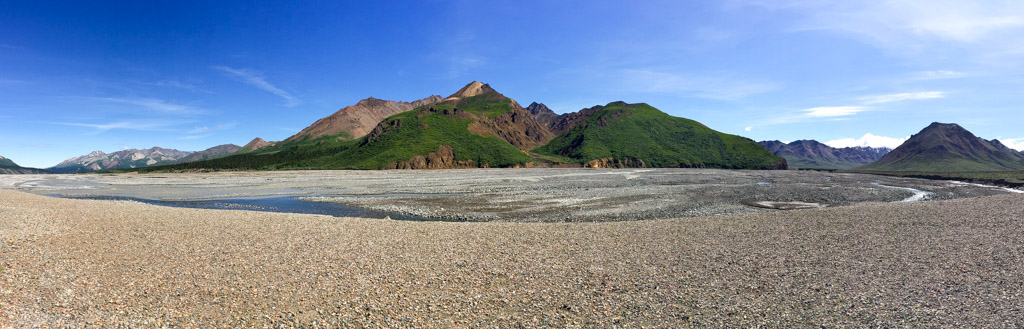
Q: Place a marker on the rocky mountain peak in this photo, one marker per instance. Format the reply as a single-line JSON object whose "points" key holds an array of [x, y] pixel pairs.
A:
{"points": [[472, 89]]}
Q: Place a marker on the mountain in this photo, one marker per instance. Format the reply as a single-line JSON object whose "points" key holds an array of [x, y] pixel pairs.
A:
{"points": [[5, 162], [358, 120], [639, 135], [542, 113], [8, 167], [127, 159], [215, 152], [474, 127], [948, 147], [256, 144], [812, 154]]}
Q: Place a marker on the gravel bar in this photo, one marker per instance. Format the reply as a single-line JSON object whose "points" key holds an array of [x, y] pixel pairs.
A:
{"points": [[87, 263]]}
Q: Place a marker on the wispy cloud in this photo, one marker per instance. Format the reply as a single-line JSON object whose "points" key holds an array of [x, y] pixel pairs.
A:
{"points": [[724, 86], [125, 125], [206, 129], [938, 75], [878, 99], [868, 139], [256, 79], [151, 104], [200, 132], [174, 84], [832, 111], [913, 26]]}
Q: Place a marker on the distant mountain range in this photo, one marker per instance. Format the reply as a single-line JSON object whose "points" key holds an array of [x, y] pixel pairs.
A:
{"points": [[810, 154], [945, 147], [479, 127], [135, 158]]}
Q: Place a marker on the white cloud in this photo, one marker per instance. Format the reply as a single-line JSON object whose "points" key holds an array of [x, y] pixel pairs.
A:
{"points": [[868, 140], [832, 111], [1014, 143], [125, 125], [913, 26], [748, 128], [938, 75], [902, 97], [208, 129], [255, 79], [152, 104]]}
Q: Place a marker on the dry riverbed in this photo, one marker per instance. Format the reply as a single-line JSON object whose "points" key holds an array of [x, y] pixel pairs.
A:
{"points": [[522, 195], [86, 263]]}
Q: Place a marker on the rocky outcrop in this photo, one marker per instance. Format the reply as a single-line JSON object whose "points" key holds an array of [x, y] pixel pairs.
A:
{"points": [[615, 163], [443, 158], [542, 113], [518, 127]]}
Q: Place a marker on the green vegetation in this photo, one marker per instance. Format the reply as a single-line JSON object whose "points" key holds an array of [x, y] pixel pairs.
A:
{"points": [[940, 160], [7, 163], [408, 134], [639, 131]]}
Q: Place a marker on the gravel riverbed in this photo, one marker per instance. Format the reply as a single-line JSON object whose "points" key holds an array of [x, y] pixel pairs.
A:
{"points": [[86, 263], [520, 195]]}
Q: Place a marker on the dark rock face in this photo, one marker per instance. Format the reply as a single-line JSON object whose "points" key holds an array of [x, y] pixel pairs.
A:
{"points": [[443, 158], [542, 113], [518, 127]]}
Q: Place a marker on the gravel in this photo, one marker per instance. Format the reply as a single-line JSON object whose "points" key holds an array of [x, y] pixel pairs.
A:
{"points": [[521, 195], [86, 263]]}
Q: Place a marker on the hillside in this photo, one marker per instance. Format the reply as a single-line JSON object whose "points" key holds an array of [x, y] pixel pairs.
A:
{"points": [[127, 159], [810, 154], [474, 127], [215, 152], [8, 167], [358, 120], [5, 162], [639, 135], [255, 144], [942, 147]]}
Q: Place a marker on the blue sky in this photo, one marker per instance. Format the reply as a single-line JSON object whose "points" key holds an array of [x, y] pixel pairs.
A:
{"points": [[80, 76]]}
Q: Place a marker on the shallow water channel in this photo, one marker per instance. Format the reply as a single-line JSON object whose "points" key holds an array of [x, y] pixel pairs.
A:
{"points": [[284, 204]]}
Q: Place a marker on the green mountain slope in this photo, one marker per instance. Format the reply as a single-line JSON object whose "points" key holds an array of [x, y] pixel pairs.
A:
{"points": [[633, 135], [947, 148], [475, 127]]}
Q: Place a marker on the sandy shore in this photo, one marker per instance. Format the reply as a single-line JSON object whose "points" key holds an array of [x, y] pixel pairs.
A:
{"points": [[955, 263]]}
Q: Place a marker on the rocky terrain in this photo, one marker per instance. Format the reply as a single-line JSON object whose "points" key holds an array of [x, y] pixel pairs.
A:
{"points": [[80, 263], [358, 120], [943, 147], [542, 113], [545, 195], [812, 154]]}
